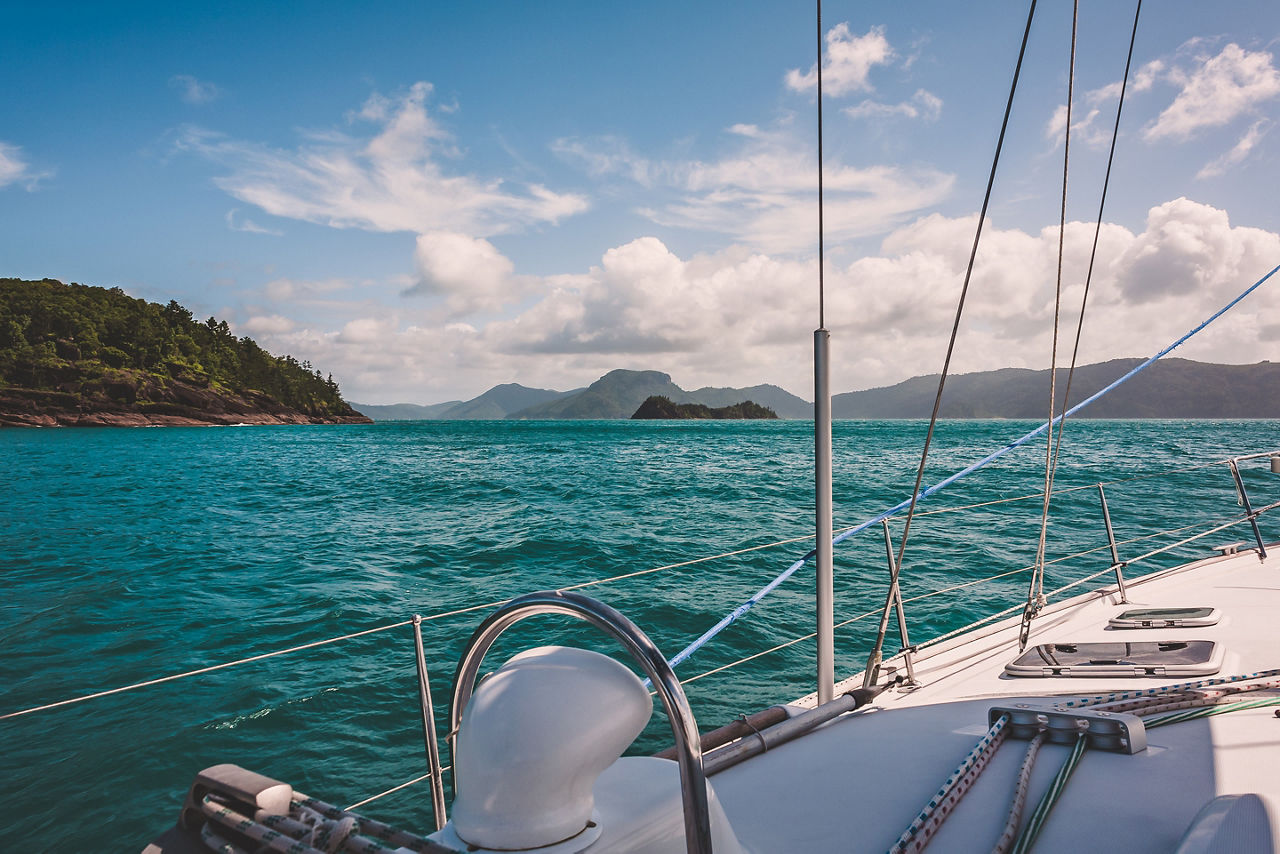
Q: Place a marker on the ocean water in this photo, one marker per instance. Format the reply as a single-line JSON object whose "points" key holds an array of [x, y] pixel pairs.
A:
{"points": [[129, 555]]}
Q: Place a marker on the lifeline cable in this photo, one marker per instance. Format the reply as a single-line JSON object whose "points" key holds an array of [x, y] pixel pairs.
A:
{"points": [[945, 482]]}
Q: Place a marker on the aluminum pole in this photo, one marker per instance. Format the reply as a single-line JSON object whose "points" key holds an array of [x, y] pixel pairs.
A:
{"points": [[823, 524], [429, 728]]}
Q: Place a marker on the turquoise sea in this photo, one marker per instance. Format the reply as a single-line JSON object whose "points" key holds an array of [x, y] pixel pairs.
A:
{"points": [[129, 555]]}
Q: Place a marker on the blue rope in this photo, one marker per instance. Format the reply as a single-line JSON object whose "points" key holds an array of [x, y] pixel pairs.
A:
{"points": [[990, 458]]}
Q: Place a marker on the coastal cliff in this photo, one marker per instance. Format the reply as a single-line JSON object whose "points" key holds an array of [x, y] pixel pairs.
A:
{"points": [[75, 355]]}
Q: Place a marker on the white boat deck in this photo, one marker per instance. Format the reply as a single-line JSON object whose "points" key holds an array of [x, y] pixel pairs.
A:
{"points": [[857, 783]]}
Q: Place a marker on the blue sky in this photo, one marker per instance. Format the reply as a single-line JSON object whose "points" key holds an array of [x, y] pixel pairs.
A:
{"points": [[427, 199]]}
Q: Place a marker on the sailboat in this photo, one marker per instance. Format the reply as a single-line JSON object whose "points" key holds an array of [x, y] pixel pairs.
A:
{"points": [[1138, 714]]}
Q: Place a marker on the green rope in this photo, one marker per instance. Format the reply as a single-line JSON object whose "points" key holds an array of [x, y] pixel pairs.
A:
{"points": [[1209, 711], [1029, 833]]}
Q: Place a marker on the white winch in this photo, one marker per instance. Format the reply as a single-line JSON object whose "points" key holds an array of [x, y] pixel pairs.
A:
{"points": [[538, 763]]}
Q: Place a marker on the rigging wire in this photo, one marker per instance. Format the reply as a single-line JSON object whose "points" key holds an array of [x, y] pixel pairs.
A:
{"points": [[1097, 228], [822, 322], [1056, 443], [872, 660], [1035, 594]]}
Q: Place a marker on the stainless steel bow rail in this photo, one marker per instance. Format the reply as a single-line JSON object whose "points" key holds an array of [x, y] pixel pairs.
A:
{"points": [[895, 606]]}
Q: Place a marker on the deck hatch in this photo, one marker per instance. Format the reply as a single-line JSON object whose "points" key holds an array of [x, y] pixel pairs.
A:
{"points": [[1165, 618], [1141, 658]]}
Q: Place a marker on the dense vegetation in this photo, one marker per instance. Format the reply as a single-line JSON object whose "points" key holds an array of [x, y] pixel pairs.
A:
{"points": [[80, 339], [658, 406]]}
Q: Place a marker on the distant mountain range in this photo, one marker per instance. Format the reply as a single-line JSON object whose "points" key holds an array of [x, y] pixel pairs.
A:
{"points": [[615, 395], [1171, 388]]}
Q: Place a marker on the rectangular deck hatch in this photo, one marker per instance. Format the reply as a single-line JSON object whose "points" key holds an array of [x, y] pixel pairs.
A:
{"points": [[1165, 618], [1142, 658]]}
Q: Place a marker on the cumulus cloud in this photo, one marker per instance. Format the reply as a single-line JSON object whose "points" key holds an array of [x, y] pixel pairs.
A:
{"points": [[194, 91], [469, 271], [742, 316], [14, 168], [392, 180], [1216, 92], [849, 60]]}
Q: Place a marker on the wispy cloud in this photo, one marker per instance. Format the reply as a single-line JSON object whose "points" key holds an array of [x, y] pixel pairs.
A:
{"points": [[14, 168], [248, 225], [849, 60], [194, 91], [1217, 91], [1084, 128], [1238, 152], [923, 105], [760, 192], [392, 180]]}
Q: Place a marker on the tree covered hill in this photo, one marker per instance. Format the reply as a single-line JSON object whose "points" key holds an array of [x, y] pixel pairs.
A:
{"points": [[659, 407], [76, 354]]}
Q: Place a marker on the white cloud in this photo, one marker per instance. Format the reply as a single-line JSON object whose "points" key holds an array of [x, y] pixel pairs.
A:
{"points": [[1221, 89], [390, 181], [762, 192], [194, 91], [14, 168], [272, 324], [247, 225], [1238, 152], [1142, 81], [1083, 129], [610, 155], [740, 317], [470, 271], [923, 105], [295, 290], [849, 60]]}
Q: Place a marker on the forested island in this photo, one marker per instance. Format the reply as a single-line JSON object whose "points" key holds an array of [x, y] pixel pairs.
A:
{"points": [[659, 407], [78, 355]]}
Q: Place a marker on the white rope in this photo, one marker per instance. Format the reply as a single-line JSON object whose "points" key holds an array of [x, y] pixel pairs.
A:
{"points": [[1010, 833]]}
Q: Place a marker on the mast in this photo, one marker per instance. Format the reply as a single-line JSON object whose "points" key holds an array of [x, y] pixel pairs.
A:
{"points": [[822, 450]]}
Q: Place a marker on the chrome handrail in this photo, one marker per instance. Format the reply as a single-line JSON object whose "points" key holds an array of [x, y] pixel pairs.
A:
{"points": [[693, 781]]}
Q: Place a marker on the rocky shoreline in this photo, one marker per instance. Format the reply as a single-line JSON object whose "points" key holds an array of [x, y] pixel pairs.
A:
{"points": [[176, 404]]}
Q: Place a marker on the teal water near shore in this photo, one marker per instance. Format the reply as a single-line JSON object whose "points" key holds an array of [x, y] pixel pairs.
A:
{"points": [[133, 554]]}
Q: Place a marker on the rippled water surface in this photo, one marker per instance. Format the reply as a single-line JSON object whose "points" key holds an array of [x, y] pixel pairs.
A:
{"points": [[133, 554]]}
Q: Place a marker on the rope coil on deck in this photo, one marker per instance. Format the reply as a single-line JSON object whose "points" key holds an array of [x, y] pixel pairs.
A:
{"points": [[312, 827]]}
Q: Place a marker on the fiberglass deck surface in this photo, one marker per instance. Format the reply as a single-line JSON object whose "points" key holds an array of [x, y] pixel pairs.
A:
{"points": [[856, 784]]}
